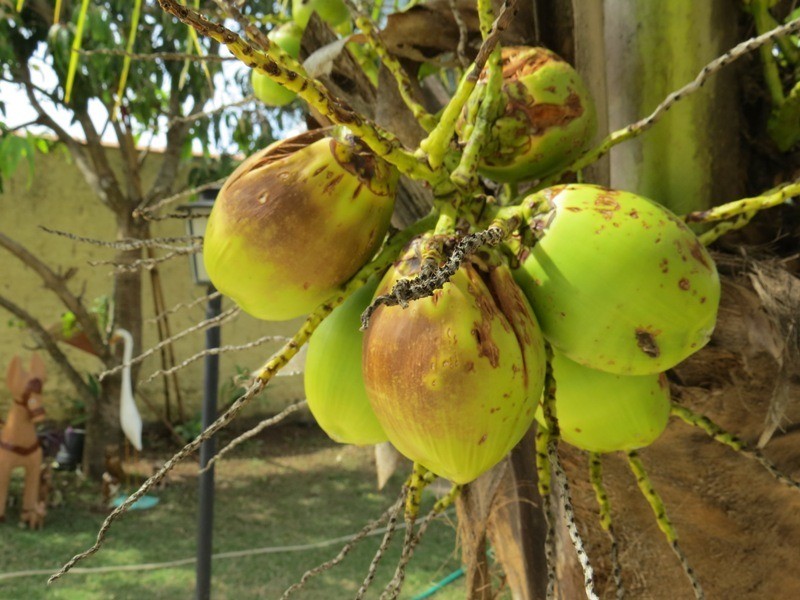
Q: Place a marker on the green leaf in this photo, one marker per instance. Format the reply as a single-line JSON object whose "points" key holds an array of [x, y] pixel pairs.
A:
{"points": [[94, 385], [13, 149], [69, 325], [41, 144]]}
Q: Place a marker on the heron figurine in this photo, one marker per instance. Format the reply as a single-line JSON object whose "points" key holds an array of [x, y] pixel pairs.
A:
{"points": [[129, 418]]}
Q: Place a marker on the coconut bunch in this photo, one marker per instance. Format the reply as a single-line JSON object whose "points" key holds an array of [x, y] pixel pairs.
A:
{"points": [[608, 286], [624, 291]]}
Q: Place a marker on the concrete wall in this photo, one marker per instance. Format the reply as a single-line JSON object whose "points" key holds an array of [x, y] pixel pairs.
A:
{"points": [[58, 197]]}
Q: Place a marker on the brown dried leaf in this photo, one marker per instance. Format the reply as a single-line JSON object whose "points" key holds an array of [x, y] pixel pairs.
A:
{"points": [[779, 292], [320, 63], [428, 31], [387, 460]]}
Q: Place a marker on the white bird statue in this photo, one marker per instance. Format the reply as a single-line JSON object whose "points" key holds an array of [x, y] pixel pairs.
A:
{"points": [[129, 417]]}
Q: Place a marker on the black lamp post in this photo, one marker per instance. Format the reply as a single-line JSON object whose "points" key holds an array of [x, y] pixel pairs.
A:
{"points": [[196, 225]]}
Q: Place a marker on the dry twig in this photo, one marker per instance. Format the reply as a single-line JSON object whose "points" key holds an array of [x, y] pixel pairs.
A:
{"points": [[213, 352], [146, 263], [163, 243], [412, 540], [226, 316], [210, 113], [145, 212], [292, 408], [463, 34], [390, 513], [182, 305], [169, 56], [387, 538], [560, 478]]}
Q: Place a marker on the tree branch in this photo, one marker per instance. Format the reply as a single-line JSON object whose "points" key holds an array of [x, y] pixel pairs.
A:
{"points": [[95, 167], [52, 348], [97, 172], [130, 160], [35, 121], [57, 284], [154, 56], [107, 179], [76, 150], [176, 136]]}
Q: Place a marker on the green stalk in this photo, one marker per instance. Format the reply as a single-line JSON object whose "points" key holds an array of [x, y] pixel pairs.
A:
{"points": [[664, 523], [740, 212], [653, 498], [542, 463], [377, 10], [718, 434], [509, 193], [760, 11], [448, 216], [437, 144], [126, 64], [200, 52], [485, 17], [596, 477], [419, 480], [57, 12], [604, 508], [466, 174], [75, 55], [788, 49], [368, 28]]}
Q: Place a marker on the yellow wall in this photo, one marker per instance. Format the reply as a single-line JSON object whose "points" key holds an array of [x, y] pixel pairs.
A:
{"points": [[58, 197]]}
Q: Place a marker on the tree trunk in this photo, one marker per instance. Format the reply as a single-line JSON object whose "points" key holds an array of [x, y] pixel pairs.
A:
{"points": [[516, 526], [102, 425], [690, 159]]}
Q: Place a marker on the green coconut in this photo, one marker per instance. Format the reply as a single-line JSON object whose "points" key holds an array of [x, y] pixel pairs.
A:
{"points": [[604, 412], [287, 36], [295, 221], [333, 12], [333, 381], [618, 282], [454, 378], [548, 119]]}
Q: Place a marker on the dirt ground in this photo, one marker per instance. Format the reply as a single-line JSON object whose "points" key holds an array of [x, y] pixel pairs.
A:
{"points": [[739, 527]]}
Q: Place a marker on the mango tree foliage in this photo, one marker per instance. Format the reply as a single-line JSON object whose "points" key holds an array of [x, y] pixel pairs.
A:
{"points": [[166, 82]]}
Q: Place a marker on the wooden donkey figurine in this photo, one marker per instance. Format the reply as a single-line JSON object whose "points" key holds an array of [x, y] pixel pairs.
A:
{"points": [[19, 446]]}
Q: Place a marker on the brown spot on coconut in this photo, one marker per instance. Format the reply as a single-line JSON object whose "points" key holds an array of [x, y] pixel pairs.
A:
{"points": [[646, 341], [262, 254], [463, 345], [591, 293], [548, 118]]}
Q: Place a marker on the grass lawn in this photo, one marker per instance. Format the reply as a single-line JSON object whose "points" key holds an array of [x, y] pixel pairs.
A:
{"points": [[290, 486]]}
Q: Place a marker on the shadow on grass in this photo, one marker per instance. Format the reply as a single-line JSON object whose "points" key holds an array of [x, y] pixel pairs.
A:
{"points": [[318, 492]]}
